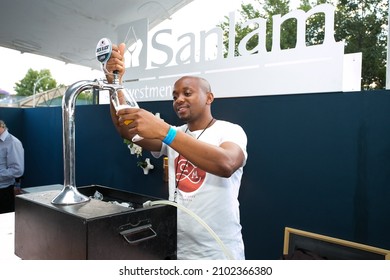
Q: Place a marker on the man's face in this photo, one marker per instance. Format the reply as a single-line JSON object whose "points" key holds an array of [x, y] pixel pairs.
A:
{"points": [[189, 98]]}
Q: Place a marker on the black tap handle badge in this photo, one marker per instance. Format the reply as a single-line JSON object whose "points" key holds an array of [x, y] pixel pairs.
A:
{"points": [[103, 50]]}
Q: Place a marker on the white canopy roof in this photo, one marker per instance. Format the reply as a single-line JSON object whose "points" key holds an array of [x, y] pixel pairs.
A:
{"points": [[68, 30]]}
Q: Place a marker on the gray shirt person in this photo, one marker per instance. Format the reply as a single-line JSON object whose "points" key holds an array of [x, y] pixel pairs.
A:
{"points": [[11, 167]]}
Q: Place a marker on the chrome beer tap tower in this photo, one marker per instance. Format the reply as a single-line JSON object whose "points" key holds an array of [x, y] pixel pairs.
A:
{"points": [[69, 194]]}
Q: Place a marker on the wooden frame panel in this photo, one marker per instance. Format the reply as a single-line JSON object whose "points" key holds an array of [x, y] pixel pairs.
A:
{"points": [[330, 247]]}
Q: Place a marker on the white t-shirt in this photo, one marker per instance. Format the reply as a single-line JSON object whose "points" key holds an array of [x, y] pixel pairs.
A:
{"points": [[214, 199]]}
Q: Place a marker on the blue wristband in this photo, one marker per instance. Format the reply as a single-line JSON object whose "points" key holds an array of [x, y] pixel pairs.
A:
{"points": [[170, 136]]}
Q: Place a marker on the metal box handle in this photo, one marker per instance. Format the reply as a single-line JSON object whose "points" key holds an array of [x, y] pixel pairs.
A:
{"points": [[138, 234]]}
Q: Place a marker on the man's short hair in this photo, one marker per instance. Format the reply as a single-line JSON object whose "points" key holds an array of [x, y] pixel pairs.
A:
{"points": [[2, 124]]}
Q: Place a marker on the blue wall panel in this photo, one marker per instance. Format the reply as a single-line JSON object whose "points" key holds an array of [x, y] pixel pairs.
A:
{"points": [[317, 162]]}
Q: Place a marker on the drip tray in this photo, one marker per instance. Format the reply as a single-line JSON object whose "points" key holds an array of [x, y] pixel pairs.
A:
{"points": [[115, 227]]}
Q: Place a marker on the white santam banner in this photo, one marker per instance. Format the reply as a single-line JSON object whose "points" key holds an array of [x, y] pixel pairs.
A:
{"points": [[303, 69]]}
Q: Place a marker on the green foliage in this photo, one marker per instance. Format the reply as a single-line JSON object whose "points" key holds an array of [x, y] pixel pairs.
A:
{"points": [[87, 96], [361, 24], [42, 81]]}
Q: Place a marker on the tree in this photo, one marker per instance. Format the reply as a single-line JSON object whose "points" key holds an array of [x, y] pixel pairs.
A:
{"points": [[42, 81], [361, 24]]}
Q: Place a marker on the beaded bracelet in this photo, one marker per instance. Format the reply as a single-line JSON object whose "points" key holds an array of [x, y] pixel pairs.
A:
{"points": [[170, 136]]}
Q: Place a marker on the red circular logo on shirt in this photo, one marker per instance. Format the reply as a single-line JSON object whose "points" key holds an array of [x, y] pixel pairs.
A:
{"points": [[188, 177]]}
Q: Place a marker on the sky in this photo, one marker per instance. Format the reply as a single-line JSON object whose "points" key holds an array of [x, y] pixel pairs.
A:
{"points": [[204, 14]]}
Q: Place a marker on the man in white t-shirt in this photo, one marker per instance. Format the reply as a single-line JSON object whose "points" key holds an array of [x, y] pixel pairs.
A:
{"points": [[206, 159]]}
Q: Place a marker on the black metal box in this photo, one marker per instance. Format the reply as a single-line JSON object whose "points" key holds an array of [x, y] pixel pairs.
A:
{"points": [[98, 229]]}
